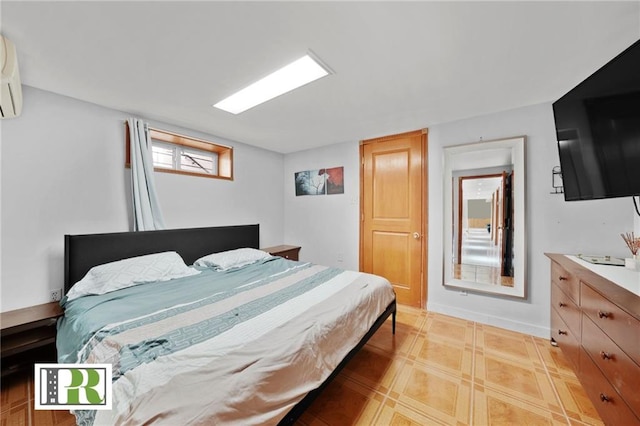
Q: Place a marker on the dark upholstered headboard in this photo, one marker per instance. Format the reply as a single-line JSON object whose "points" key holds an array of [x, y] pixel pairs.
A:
{"points": [[82, 252]]}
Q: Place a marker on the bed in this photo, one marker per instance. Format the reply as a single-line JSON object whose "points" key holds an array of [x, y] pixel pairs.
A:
{"points": [[247, 345]]}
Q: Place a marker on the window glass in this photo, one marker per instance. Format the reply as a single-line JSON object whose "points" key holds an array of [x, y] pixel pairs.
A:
{"points": [[199, 161], [163, 155]]}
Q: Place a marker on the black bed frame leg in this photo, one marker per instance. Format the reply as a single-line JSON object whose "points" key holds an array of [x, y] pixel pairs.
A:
{"points": [[393, 322]]}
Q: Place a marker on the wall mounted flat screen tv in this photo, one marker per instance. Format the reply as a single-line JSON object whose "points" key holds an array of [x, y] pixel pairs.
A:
{"points": [[598, 130]]}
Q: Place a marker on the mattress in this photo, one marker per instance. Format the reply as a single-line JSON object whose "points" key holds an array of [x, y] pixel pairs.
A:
{"points": [[234, 347]]}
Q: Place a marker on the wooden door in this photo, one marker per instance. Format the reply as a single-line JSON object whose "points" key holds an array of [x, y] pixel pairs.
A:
{"points": [[501, 216], [393, 213], [507, 241]]}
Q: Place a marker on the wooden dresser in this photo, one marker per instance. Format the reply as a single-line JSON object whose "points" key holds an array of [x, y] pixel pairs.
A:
{"points": [[596, 323]]}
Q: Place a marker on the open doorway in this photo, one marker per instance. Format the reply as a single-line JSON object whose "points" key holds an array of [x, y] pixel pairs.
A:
{"points": [[485, 235]]}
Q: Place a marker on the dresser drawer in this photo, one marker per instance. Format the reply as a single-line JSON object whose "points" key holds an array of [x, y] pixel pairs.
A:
{"points": [[568, 311], [565, 338], [617, 367], [610, 406], [568, 283], [621, 327]]}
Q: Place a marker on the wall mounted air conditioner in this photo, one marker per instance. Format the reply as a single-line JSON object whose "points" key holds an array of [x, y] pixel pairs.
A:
{"points": [[10, 88]]}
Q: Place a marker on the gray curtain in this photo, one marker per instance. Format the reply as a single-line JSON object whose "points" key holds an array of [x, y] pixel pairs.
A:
{"points": [[146, 209]]}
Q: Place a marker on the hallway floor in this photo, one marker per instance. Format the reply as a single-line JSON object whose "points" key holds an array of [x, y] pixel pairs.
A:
{"points": [[478, 249], [480, 260], [436, 370]]}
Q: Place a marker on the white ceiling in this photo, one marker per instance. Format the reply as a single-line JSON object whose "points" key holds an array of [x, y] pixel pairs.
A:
{"points": [[481, 188], [399, 66]]}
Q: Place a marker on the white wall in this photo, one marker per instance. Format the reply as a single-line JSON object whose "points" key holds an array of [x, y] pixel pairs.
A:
{"points": [[63, 172], [326, 226], [553, 225]]}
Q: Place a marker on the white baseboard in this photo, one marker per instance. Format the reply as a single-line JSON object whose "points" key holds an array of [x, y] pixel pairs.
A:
{"points": [[496, 321]]}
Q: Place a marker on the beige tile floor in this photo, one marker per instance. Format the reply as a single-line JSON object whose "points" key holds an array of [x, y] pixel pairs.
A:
{"points": [[440, 370], [436, 370]]}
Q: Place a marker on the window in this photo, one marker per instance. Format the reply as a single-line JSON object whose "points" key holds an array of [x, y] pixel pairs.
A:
{"points": [[174, 153], [177, 157]]}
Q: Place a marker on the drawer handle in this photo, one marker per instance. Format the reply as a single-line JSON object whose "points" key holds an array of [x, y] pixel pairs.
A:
{"points": [[562, 332], [562, 305], [605, 355], [604, 398], [563, 278], [603, 314]]}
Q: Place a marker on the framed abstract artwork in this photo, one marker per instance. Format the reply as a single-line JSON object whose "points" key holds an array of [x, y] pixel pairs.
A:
{"points": [[320, 181]]}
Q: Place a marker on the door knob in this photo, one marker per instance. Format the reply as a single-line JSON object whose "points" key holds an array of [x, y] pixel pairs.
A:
{"points": [[416, 235]]}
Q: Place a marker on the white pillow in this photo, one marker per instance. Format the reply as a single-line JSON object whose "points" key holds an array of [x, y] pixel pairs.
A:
{"points": [[124, 273], [226, 260]]}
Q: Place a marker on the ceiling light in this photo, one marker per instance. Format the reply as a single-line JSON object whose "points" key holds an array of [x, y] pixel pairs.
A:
{"points": [[296, 74]]}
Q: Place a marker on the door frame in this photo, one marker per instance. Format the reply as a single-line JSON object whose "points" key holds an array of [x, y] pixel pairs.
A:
{"points": [[424, 179], [494, 227]]}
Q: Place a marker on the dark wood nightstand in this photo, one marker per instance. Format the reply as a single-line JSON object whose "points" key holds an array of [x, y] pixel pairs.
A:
{"points": [[28, 335], [288, 252]]}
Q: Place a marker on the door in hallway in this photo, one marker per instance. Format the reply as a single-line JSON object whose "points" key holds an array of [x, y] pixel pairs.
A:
{"points": [[393, 213]]}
